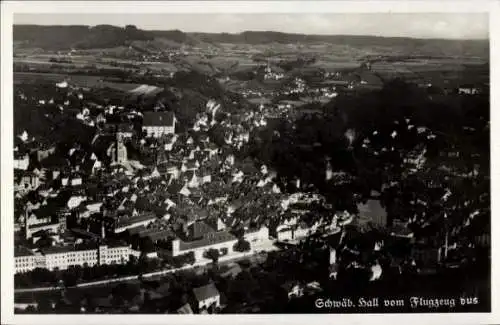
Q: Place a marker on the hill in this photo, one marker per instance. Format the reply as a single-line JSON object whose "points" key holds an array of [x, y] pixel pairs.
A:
{"points": [[79, 37], [106, 36]]}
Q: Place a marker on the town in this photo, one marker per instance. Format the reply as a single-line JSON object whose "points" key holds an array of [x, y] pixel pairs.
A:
{"points": [[251, 191]]}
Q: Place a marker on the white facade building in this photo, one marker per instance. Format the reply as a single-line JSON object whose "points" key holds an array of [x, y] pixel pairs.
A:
{"points": [[62, 258], [157, 124]]}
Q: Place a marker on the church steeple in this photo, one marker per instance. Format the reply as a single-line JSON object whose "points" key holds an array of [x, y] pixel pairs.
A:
{"points": [[120, 150]]}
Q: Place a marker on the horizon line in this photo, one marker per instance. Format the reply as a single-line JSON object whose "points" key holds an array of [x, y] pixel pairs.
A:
{"points": [[261, 31]]}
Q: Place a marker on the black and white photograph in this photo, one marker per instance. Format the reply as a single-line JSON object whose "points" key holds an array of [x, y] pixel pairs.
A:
{"points": [[247, 162]]}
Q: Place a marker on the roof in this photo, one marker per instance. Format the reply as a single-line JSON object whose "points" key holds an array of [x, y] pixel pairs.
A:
{"points": [[139, 218], [199, 229], [372, 208], [205, 292], [186, 309], [233, 271], [124, 127], [22, 251], [82, 233], [158, 119], [215, 238], [155, 234], [66, 249]]}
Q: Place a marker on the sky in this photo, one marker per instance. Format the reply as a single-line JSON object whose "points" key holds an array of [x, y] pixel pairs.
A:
{"points": [[417, 25]]}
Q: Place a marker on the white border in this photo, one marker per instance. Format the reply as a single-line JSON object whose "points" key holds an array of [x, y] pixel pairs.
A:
{"points": [[9, 7]]}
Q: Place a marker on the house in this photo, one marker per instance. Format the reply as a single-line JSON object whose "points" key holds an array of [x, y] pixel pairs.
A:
{"points": [[207, 296], [233, 271], [468, 90], [200, 237], [285, 234], [205, 176], [157, 124], [21, 161], [27, 181], [90, 166], [45, 152], [400, 229], [135, 221], [76, 180], [293, 290], [372, 211], [52, 227], [124, 130], [258, 234]]}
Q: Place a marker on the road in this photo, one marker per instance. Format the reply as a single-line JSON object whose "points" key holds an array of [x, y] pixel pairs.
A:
{"points": [[265, 246]]}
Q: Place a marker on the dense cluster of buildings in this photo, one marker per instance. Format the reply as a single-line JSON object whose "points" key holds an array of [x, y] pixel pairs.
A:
{"points": [[176, 188], [152, 182]]}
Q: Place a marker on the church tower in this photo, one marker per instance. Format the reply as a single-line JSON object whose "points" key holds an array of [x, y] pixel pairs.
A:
{"points": [[120, 154]]}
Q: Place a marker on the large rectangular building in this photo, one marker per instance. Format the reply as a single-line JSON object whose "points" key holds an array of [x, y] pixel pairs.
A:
{"points": [[157, 124], [63, 257]]}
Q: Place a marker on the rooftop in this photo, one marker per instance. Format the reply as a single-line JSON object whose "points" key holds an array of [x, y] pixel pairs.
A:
{"points": [[22, 251], [205, 292], [158, 119], [139, 218], [199, 229], [214, 238], [372, 208], [186, 309]]}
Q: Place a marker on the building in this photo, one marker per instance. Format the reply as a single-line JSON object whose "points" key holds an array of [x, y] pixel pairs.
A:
{"points": [[260, 234], [207, 296], [118, 151], [200, 238], [26, 181], [42, 220], [21, 161], [123, 224], [62, 257], [25, 260], [468, 90], [125, 130], [157, 124], [45, 152], [293, 290], [372, 211]]}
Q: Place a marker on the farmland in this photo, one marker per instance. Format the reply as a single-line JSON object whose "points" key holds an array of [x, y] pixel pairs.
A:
{"points": [[80, 80]]}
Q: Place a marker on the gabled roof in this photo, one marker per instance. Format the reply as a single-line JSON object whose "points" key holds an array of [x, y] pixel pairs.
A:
{"points": [[158, 119], [199, 229], [205, 292], [186, 309]]}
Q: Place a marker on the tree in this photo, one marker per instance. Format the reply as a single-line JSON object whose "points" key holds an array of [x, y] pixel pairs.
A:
{"points": [[212, 254], [242, 245], [146, 245]]}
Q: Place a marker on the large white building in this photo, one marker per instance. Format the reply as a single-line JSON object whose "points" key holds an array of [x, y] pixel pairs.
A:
{"points": [[203, 237], [157, 124], [65, 256]]}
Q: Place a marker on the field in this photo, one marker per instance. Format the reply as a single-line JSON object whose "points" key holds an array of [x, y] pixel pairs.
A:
{"points": [[436, 71], [79, 80]]}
